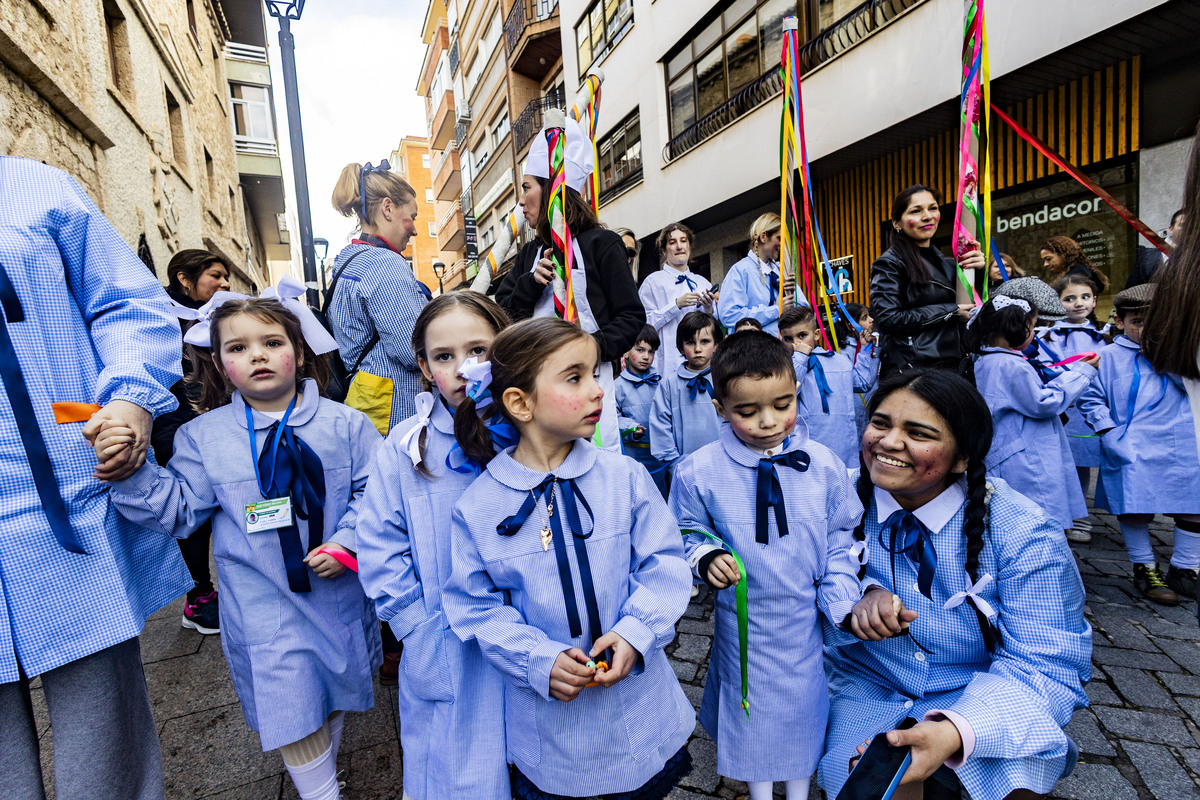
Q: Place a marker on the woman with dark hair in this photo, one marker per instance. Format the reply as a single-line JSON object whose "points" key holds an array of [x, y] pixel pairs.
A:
{"points": [[1062, 255], [606, 294], [193, 277], [913, 289], [973, 610]]}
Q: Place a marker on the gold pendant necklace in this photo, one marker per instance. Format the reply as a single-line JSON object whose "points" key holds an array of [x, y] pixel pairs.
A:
{"points": [[547, 534]]}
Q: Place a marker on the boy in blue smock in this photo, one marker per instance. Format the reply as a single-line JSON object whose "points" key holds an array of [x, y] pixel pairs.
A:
{"points": [[827, 383], [682, 417], [635, 389], [1148, 462], [785, 504]]}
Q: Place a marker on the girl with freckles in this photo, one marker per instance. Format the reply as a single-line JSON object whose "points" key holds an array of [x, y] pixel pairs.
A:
{"points": [[568, 570], [972, 611], [279, 470]]}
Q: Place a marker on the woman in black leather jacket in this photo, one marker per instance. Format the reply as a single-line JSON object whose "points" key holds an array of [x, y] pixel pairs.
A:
{"points": [[913, 297]]}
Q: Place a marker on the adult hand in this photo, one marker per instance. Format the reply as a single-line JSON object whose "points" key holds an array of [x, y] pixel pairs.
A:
{"points": [[688, 299], [543, 273], [623, 659], [789, 298], [965, 309], [121, 413], [932, 743], [1094, 361], [322, 563], [570, 674], [973, 259], [879, 615], [707, 299], [723, 571]]}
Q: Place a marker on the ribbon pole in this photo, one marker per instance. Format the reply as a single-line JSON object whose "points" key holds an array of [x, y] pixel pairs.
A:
{"points": [[560, 233], [968, 219]]}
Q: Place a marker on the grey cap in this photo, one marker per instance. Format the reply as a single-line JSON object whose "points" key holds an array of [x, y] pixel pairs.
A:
{"points": [[1038, 294]]}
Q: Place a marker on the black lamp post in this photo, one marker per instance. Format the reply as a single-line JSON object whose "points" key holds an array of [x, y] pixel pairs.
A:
{"points": [[322, 245], [439, 269], [286, 11]]}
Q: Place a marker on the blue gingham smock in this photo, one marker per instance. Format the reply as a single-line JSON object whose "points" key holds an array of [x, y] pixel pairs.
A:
{"points": [[1029, 448], [679, 423], [1151, 466], [1058, 342], [451, 698], [1016, 700], [793, 581], [634, 399], [295, 658], [97, 328], [378, 292], [505, 593], [837, 429]]}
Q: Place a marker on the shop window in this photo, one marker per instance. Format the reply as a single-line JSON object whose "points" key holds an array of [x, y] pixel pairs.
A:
{"points": [[600, 29], [620, 158]]}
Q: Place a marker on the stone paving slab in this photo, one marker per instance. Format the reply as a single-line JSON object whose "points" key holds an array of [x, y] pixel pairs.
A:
{"points": [[1139, 741]]}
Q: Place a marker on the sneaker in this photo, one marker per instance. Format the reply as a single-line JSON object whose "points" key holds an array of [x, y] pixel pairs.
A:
{"points": [[1079, 535], [1148, 580], [1183, 581], [695, 591], [202, 615]]}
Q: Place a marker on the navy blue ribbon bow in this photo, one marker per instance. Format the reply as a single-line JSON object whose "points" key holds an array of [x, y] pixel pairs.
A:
{"points": [[570, 492], [698, 384], [773, 279], [27, 425], [503, 436], [909, 536], [294, 470], [691, 284], [367, 169], [651, 378], [818, 370], [770, 492]]}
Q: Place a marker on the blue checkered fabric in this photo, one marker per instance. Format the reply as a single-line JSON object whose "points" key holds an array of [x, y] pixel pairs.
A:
{"points": [[97, 328]]}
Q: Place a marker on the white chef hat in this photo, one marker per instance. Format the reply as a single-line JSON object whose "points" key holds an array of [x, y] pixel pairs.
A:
{"points": [[578, 153]]}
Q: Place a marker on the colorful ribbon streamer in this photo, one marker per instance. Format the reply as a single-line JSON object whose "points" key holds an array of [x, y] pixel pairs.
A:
{"points": [[587, 112], [560, 233], [970, 228], [742, 595], [1112, 202]]}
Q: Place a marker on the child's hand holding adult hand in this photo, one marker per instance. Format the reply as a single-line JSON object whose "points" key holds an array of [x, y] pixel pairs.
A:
{"points": [[110, 441], [723, 572], [623, 659], [570, 674], [324, 564], [879, 615]]}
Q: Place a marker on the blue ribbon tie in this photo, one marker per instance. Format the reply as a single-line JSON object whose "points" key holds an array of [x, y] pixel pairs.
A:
{"points": [[909, 536], [698, 384], [773, 278], [503, 436], [691, 284], [818, 370], [651, 379], [770, 493]]}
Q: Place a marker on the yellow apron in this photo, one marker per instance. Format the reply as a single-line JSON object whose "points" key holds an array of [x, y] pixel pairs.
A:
{"points": [[372, 395]]}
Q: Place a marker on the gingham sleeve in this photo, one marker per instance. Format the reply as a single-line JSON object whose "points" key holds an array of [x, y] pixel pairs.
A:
{"points": [[173, 500]]}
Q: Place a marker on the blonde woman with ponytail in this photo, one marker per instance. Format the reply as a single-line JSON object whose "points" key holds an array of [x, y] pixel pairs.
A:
{"points": [[751, 287], [377, 297]]}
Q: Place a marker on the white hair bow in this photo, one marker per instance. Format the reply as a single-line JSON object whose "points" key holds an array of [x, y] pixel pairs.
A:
{"points": [[859, 552], [1004, 301], [972, 592], [288, 293], [411, 443], [478, 375], [200, 334]]}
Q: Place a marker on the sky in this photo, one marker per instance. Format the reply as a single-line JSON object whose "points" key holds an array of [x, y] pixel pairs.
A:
{"points": [[357, 65]]}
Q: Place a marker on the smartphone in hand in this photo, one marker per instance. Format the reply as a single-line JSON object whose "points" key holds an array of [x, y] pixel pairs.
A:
{"points": [[879, 771]]}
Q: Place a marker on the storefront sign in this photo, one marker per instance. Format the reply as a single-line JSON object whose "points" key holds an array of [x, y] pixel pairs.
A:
{"points": [[470, 237]]}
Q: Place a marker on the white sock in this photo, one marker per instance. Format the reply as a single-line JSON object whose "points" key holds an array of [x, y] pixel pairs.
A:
{"points": [[335, 722], [798, 790], [1187, 549], [761, 790], [1137, 541], [316, 780]]}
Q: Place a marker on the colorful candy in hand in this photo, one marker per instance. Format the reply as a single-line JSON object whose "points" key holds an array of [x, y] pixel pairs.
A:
{"points": [[599, 666]]}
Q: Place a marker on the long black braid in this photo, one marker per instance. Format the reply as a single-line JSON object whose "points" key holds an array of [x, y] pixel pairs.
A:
{"points": [[970, 421]]}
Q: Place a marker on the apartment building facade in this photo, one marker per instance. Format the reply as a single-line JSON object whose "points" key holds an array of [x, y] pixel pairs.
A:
{"points": [[413, 161], [689, 124], [162, 111]]}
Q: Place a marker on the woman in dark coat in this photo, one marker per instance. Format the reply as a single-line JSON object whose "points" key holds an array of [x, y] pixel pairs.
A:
{"points": [[913, 289]]}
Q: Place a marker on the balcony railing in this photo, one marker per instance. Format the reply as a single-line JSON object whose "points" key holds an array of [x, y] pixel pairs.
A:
{"points": [[759, 91], [523, 14], [447, 216], [246, 52], [460, 133], [454, 57], [466, 203], [255, 147], [526, 126], [852, 29], [451, 146]]}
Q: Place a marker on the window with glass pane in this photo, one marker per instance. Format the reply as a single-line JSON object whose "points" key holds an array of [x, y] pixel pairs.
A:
{"points": [[583, 40], [621, 156], [710, 81], [741, 55], [600, 28], [251, 111], [770, 27], [682, 100], [830, 11]]}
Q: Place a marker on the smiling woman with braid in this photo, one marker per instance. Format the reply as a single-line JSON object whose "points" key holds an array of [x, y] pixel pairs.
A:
{"points": [[976, 626]]}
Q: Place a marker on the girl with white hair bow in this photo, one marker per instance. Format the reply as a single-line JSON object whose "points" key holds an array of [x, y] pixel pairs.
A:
{"points": [[606, 294]]}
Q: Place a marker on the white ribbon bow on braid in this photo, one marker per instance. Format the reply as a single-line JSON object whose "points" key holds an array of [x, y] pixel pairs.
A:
{"points": [[478, 376], [860, 553], [288, 294], [1004, 301], [411, 443], [972, 592]]}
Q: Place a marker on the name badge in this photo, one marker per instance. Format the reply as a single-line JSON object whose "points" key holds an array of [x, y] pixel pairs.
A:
{"points": [[269, 515]]}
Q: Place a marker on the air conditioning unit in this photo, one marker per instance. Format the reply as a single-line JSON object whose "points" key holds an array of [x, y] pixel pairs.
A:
{"points": [[464, 112]]}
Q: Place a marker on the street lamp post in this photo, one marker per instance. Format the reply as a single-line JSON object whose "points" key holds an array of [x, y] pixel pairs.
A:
{"points": [[286, 11], [439, 269]]}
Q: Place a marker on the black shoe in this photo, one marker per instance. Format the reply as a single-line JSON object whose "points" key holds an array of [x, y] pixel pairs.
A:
{"points": [[1183, 581], [1149, 582]]}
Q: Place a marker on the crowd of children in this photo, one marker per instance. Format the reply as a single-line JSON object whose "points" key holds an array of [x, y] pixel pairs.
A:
{"points": [[535, 579]]}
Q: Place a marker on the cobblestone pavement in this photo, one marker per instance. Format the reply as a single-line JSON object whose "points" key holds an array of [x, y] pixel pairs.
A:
{"points": [[1140, 739]]}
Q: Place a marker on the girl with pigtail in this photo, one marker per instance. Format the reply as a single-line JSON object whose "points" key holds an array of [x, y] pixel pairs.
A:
{"points": [[568, 572], [973, 609], [447, 692]]}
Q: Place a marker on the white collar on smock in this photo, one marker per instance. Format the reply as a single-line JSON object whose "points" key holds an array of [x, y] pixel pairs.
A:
{"points": [[934, 515]]}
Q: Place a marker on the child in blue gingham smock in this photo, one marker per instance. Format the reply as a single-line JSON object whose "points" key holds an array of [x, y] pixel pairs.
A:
{"points": [[279, 470], [635, 388], [996, 650], [785, 505], [451, 698], [568, 571], [682, 418]]}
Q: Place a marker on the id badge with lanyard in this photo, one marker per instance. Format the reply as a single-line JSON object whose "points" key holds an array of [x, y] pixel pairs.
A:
{"points": [[272, 513]]}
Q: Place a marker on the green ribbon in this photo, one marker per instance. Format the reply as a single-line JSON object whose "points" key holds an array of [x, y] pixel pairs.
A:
{"points": [[743, 617]]}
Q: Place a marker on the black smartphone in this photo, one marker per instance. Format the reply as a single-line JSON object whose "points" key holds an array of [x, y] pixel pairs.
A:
{"points": [[713, 289], [879, 772]]}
